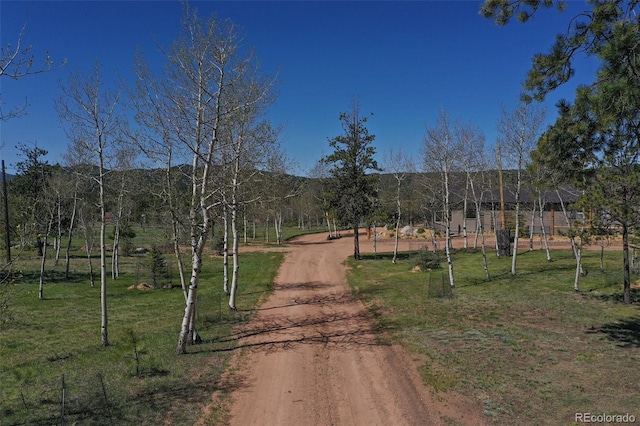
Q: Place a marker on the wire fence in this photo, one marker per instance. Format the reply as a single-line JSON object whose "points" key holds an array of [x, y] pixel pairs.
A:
{"points": [[438, 286]]}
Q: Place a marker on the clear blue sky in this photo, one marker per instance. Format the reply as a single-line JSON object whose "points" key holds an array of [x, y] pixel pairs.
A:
{"points": [[405, 61]]}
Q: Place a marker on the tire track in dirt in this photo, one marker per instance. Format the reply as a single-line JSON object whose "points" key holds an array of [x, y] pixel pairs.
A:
{"points": [[314, 357]]}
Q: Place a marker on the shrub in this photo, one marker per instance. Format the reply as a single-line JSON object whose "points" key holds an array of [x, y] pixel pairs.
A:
{"points": [[428, 259]]}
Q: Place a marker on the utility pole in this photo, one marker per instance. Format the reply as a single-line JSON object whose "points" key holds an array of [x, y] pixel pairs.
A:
{"points": [[503, 236], [7, 229], [503, 215]]}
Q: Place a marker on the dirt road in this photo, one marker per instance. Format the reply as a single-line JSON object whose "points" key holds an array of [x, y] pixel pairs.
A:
{"points": [[315, 357]]}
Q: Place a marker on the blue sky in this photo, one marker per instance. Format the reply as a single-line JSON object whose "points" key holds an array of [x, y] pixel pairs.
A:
{"points": [[405, 62]]}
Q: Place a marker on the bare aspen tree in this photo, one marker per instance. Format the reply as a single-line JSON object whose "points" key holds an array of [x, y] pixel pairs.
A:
{"points": [[472, 145], [48, 207], [18, 61], [82, 213], [251, 148], [45, 242], [399, 165], [72, 224], [539, 176], [543, 231], [518, 132], [431, 204], [92, 117], [441, 155], [320, 172], [474, 167], [207, 70], [55, 184], [157, 140], [85, 223], [123, 163], [199, 63], [277, 190]]}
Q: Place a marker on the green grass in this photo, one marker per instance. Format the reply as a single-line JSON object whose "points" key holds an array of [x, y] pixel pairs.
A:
{"points": [[527, 348], [57, 340]]}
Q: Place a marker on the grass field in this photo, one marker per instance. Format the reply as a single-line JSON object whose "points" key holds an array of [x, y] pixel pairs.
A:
{"points": [[53, 369], [528, 347]]}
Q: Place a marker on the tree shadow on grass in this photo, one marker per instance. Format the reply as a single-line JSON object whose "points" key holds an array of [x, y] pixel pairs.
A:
{"points": [[618, 297], [626, 333], [405, 255], [51, 277]]}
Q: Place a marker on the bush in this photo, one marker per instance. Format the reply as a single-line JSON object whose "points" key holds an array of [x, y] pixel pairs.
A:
{"points": [[427, 259]]}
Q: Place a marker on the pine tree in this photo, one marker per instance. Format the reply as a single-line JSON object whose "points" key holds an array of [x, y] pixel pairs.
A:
{"points": [[157, 267], [352, 190]]}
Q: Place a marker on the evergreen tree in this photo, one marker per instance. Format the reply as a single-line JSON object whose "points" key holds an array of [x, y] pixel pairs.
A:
{"points": [[157, 267], [595, 142], [352, 190]]}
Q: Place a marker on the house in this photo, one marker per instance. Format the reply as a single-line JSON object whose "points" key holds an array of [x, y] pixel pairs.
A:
{"points": [[555, 204]]}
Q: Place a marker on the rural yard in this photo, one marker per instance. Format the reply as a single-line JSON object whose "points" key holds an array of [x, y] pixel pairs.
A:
{"points": [[312, 355]]}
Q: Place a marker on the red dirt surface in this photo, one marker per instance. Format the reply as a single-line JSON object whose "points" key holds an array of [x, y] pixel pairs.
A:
{"points": [[314, 357]]}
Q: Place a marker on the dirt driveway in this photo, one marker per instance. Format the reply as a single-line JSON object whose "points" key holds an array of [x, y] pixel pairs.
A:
{"points": [[314, 356]]}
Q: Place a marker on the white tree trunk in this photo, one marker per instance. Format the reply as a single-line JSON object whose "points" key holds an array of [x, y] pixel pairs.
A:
{"points": [[532, 227], [277, 226], [245, 223], [225, 251], [174, 227], [494, 221], [464, 215], [59, 232], [517, 230], [114, 255], [477, 230], [88, 243], [44, 259], [515, 240], [326, 215], [177, 253], [236, 264], [234, 234], [542, 229], [103, 256], [448, 228], [186, 329], [199, 232], [576, 279], [67, 255], [266, 231], [485, 264], [396, 240]]}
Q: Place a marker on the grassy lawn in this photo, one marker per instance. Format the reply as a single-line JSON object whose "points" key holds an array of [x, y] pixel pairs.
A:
{"points": [[528, 347], [51, 350]]}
